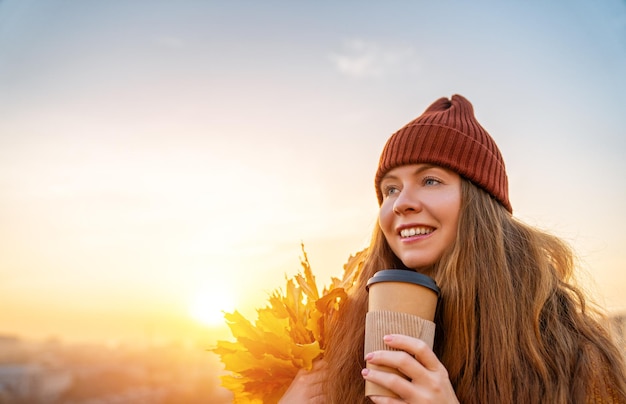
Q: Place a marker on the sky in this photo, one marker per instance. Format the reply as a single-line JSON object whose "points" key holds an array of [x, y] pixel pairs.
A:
{"points": [[163, 161]]}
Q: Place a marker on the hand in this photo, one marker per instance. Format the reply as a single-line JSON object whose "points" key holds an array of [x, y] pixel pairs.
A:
{"points": [[428, 378], [306, 387]]}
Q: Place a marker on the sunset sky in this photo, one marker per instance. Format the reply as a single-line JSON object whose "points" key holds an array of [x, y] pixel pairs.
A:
{"points": [[156, 155]]}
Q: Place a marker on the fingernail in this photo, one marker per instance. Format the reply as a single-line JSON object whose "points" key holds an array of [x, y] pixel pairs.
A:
{"points": [[388, 338], [369, 356], [365, 372]]}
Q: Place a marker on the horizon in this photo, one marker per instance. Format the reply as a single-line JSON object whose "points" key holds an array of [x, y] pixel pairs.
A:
{"points": [[163, 162]]}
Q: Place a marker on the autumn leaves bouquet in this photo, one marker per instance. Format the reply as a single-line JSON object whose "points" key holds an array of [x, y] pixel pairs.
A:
{"points": [[288, 334]]}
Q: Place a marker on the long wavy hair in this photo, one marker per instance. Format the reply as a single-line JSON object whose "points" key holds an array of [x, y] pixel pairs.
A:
{"points": [[511, 324]]}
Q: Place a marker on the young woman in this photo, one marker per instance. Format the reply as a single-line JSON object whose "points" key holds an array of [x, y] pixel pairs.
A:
{"points": [[511, 325]]}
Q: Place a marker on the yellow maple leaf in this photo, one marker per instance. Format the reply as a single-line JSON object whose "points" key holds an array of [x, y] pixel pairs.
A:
{"points": [[288, 334]]}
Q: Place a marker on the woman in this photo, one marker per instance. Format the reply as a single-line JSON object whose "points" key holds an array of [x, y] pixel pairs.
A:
{"points": [[511, 326]]}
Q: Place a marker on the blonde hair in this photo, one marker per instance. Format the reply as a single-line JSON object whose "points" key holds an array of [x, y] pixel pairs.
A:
{"points": [[511, 325]]}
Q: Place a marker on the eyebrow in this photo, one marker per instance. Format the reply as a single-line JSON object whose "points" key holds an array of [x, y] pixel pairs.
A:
{"points": [[421, 168]]}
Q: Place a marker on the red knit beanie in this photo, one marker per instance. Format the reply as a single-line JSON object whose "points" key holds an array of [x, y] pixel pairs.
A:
{"points": [[448, 135]]}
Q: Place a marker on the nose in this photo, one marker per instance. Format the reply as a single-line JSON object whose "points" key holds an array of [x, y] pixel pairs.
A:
{"points": [[407, 202]]}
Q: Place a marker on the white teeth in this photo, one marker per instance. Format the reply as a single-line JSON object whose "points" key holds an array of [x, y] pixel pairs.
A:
{"points": [[415, 230]]}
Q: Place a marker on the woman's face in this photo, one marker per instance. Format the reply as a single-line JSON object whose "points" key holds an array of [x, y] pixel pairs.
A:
{"points": [[419, 214]]}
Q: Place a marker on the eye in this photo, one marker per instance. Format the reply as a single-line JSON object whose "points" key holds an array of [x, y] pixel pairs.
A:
{"points": [[430, 181], [389, 190]]}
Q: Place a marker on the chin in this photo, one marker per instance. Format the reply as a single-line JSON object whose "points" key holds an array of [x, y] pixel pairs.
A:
{"points": [[421, 266]]}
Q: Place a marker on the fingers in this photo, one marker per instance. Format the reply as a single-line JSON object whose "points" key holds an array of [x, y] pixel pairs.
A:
{"points": [[307, 386], [317, 374], [311, 377], [416, 347], [428, 379], [413, 357], [386, 400], [391, 381], [400, 360], [319, 364]]}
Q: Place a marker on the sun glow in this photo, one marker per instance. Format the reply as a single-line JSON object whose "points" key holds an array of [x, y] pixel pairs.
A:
{"points": [[208, 305]]}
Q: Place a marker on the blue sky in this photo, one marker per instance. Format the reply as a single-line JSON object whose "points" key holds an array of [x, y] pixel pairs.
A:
{"points": [[167, 147]]}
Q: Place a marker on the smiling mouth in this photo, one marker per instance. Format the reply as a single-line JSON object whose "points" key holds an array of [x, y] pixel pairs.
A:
{"points": [[415, 231]]}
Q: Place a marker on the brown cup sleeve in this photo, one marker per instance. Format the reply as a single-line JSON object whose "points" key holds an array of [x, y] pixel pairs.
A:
{"points": [[381, 323]]}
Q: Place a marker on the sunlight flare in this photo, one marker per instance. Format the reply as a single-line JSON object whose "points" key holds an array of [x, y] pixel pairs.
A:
{"points": [[208, 305]]}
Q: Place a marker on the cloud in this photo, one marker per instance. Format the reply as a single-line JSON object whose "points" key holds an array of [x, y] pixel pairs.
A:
{"points": [[364, 59]]}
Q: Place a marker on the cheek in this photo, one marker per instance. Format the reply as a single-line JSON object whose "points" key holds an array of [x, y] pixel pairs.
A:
{"points": [[453, 214], [385, 216]]}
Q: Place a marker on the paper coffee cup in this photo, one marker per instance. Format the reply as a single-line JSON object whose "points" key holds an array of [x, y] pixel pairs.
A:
{"points": [[400, 302]]}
